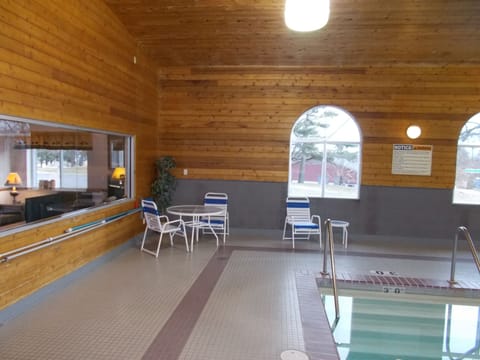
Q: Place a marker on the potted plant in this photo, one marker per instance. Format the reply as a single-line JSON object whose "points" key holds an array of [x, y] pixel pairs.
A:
{"points": [[164, 184]]}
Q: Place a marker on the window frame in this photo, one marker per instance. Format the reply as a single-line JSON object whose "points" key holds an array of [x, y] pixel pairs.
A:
{"points": [[456, 192], [323, 142], [29, 166]]}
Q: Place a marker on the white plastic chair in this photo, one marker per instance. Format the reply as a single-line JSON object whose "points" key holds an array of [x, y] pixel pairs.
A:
{"points": [[300, 221], [217, 222], [162, 225]]}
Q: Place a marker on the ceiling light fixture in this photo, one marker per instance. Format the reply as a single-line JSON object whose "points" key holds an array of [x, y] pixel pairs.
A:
{"points": [[414, 131], [306, 15]]}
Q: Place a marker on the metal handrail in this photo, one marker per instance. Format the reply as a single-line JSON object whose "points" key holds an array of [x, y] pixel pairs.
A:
{"points": [[471, 246], [329, 246], [69, 233]]}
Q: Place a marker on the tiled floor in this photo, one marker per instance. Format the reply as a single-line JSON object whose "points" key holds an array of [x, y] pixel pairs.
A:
{"points": [[251, 299]]}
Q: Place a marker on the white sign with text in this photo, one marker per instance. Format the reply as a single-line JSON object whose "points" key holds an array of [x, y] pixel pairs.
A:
{"points": [[409, 159]]}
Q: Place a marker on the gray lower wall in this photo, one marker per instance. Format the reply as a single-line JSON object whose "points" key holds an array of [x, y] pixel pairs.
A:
{"points": [[385, 211]]}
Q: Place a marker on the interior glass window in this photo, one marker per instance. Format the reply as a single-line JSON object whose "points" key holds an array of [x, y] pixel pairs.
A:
{"points": [[49, 170]]}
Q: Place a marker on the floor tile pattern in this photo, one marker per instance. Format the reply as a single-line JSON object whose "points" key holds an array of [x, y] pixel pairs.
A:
{"points": [[114, 312], [253, 312], [174, 334], [251, 299]]}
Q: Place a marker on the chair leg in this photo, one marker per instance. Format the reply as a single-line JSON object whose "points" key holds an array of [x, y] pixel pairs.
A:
{"points": [[159, 243], [293, 237], [215, 234], [143, 240], [284, 230], [184, 233]]}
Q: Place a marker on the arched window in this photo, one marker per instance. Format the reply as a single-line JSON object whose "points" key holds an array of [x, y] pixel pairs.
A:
{"points": [[325, 153], [467, 178]]}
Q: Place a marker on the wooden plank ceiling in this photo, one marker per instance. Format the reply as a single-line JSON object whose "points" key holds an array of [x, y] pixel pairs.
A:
{"points": [[252, 32]]}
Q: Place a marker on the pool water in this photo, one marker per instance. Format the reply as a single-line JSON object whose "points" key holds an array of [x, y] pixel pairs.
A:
{"points": [[391, 327]]}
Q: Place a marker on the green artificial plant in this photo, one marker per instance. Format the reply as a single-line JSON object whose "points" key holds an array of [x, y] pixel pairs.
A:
{"points": [[164, 184]]}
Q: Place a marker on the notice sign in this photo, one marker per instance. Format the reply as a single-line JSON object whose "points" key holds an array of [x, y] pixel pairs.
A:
{"points": [[411, 159]]}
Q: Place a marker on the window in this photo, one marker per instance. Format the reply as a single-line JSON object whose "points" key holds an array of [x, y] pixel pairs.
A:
{"points": [[49, 169], [467, 177], [325, 154], [66, 169]]}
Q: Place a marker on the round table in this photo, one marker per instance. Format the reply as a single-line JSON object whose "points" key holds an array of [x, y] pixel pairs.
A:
{"points": [[344, 225], [196, 212]]}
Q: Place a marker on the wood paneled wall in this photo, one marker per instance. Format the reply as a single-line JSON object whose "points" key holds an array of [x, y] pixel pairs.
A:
{"points": [[234, 122], [24, 275], [72, 62]]}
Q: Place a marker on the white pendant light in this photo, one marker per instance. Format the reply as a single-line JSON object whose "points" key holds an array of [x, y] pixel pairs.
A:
{"points": [[306, 15]]}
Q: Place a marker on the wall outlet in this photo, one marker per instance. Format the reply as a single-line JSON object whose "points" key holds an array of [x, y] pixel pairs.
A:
{"points": [[185, 172]]}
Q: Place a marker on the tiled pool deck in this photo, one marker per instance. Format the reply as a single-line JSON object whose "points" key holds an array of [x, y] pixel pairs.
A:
{"points": [[251, 299]]}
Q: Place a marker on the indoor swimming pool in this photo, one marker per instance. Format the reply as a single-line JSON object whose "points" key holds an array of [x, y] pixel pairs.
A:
{"points": [[374, 326]]}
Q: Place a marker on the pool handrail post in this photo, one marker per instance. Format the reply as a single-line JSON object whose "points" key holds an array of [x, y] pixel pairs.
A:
{"points": [[329, 243], [471, 246], [454, 259], [325, 249]]}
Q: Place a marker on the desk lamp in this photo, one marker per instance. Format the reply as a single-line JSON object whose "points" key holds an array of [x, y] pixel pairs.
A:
{"points": [[119, 174], [13, 179]]}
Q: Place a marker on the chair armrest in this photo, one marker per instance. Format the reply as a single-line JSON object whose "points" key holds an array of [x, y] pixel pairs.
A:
{"points": [[174, 226], [297, 219], [174, 222], [164, 218], [293, 218], [316, 217]]}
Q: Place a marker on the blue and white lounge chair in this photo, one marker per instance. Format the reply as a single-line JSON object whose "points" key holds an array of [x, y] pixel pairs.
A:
{"points": [[300, 221]]}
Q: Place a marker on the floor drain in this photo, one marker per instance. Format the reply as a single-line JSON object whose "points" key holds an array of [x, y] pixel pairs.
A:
{"points": [[293, 355]]}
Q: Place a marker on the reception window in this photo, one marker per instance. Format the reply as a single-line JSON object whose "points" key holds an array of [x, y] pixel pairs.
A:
{"points": [[49, 170]]}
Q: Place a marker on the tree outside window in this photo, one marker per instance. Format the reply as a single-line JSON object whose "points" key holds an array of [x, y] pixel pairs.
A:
{"points": [[325, 154]]}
